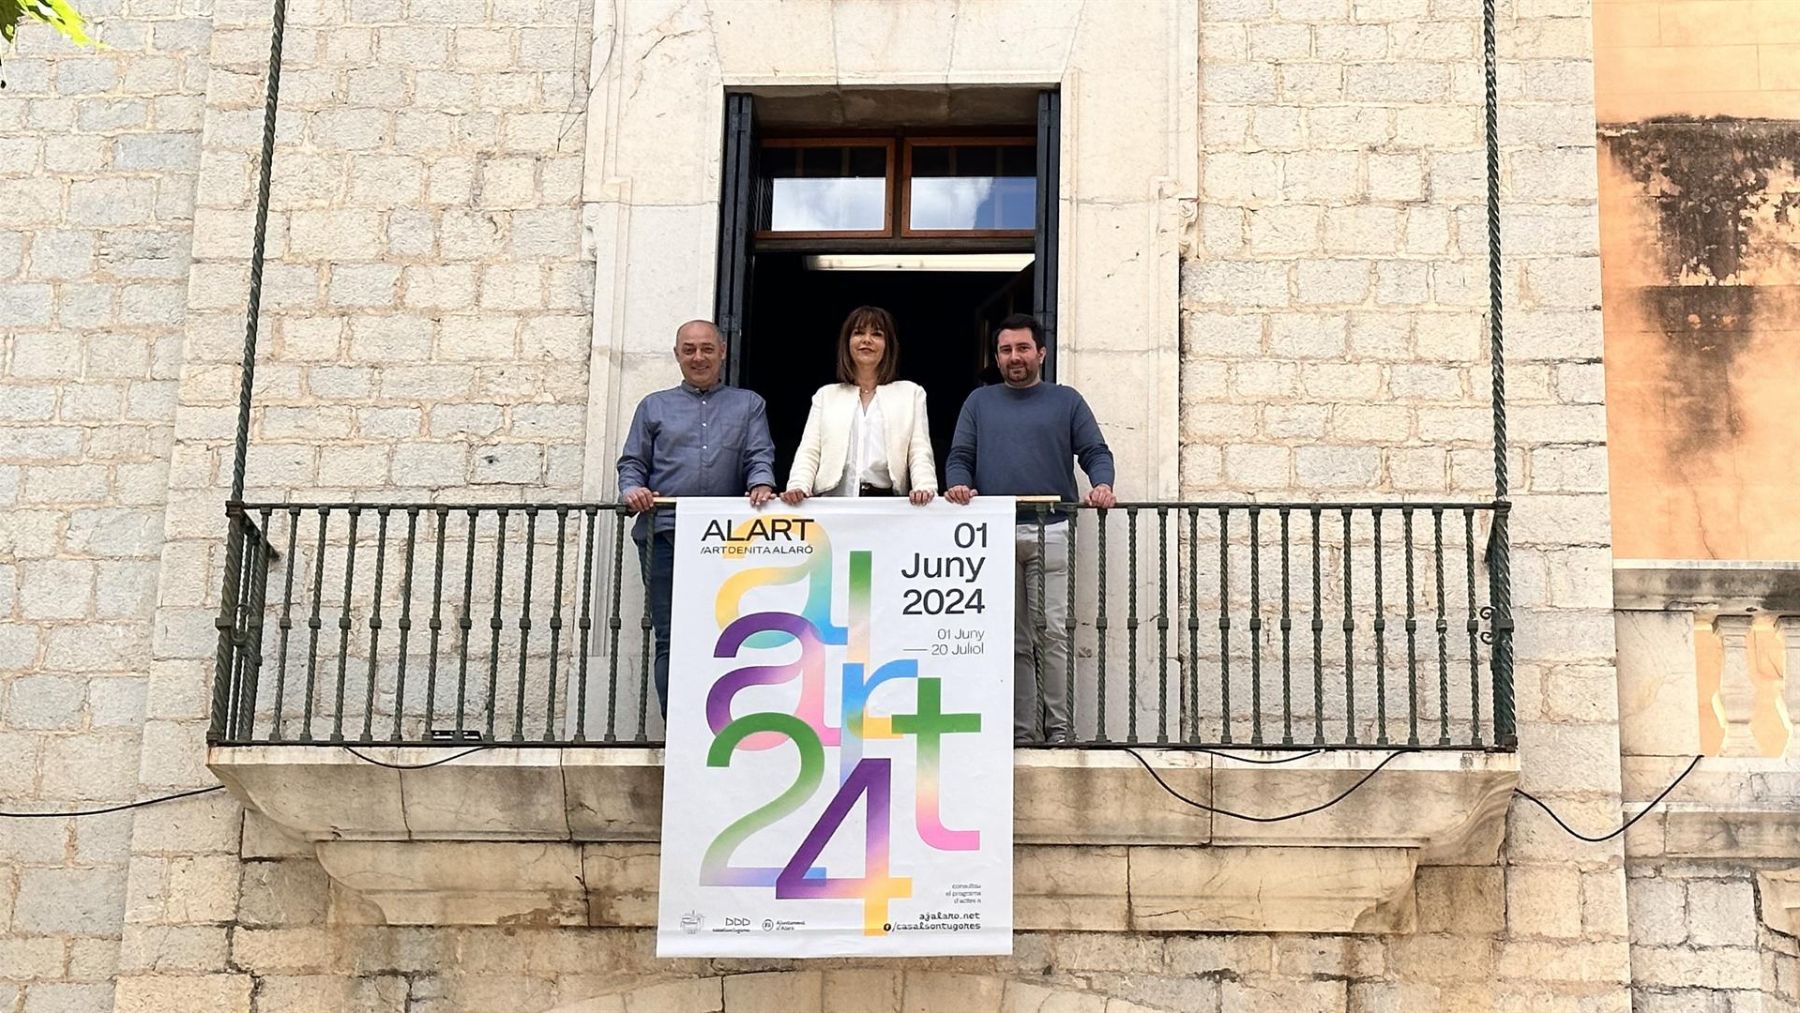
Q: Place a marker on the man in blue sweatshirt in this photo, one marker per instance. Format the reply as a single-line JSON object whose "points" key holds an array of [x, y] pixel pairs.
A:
{"points": [[1021, 438]]}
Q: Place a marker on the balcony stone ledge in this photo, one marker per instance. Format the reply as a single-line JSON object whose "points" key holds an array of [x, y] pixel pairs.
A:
{"points": [[567, 836]]}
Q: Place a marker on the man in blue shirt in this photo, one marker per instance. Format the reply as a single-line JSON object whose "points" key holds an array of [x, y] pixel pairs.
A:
{"points": [[1021, 438], [699, 438]]}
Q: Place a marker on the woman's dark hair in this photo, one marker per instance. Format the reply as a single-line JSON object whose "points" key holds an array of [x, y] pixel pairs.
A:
{"points": [[870, 318], [1020, 322]]}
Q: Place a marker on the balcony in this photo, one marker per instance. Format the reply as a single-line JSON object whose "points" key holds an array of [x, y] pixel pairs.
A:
{"points": [[419, 690]]}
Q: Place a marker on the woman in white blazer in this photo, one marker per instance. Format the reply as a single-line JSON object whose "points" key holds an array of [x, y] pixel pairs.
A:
{"points": [[867, 434]]}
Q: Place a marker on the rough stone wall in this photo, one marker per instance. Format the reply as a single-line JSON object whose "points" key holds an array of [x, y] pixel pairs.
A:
{"points": [[1334, 344], [1697, 185], [287, 959], [424, 334], [98, 154], [1698, 182], [1698, 942]]}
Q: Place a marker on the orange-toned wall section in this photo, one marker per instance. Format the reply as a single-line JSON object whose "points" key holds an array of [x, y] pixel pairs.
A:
{"points": [[1698, 103]]}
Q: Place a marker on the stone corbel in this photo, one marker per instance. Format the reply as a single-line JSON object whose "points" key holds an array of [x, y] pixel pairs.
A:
{"points": [[1780, 900]]}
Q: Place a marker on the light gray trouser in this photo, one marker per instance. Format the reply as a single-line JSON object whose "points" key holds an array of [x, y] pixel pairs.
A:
{"points": [[1041, 653]]}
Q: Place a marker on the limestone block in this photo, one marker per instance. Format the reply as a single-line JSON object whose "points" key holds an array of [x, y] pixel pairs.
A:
{"points": [[666, 278], [209, 993], [613, 794], [795, 991], [621, 882], [1119, 268], [862, 991], [893, 43], [463, 883], [1272, 889], [1070, 888], [700, 995], [1117, 134], [496, 793], [1014, 42], [808, 50], [1104, 797], [1451, 805], [1659, 709], [671, 101], [929, 991], [315, 791], [1025, 997], [1780, 892]]}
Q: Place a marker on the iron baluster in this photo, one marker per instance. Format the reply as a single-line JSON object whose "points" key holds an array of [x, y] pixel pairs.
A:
{"points": [[644, 660], [405, 624], [1442, 626], [586, 623], [525, 621], [1412, 638], [1162, 625], [368, 731], [313, 624], [1131, 629], [259, 587], [287, 617], [495, 623], [466, 620], [1256, 735], [1287, 640], [614, 623], [1473, 625], [1193, 658], [1349, 640], [344, 624], [1318, 632], [1225, 624], [437, 621], [556, 622], [1381, 735], [1042, 605], [1100, 629], [1073, 626]]}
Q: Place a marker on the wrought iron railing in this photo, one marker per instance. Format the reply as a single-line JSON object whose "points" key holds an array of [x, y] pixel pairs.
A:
{"points": [[1195, 624]]}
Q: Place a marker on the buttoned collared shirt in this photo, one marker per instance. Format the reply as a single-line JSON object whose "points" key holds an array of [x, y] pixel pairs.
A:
{"points": [[685, 441]]}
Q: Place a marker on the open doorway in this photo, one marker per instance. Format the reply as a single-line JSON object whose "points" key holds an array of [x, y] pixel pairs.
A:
{"points": [[939, 205], [943, 316]]}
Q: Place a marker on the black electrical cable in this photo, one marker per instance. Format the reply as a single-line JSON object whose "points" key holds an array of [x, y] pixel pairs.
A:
{"points": [[1264, 763], [1572, 832], [1270, 819], [111, 808], [418, 766], [1533, 799]]}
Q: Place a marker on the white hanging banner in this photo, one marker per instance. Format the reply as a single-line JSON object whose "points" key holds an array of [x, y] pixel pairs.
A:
{"points": [[838, 779]]}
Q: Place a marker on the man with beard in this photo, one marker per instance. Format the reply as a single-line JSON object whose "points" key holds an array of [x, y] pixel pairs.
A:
{"points": [[1021, 437]]}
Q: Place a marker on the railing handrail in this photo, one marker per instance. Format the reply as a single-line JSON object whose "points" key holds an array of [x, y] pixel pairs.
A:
{"points": [[1051, 503], [1326, 633]]}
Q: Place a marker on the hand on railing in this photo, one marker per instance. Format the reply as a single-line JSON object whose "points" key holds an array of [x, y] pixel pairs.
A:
{"points": [[638, 500]]}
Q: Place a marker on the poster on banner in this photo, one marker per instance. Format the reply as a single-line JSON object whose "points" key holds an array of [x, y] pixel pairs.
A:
{"points": [[838, 776]]}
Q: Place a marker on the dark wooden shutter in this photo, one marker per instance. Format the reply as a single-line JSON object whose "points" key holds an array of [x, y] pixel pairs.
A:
{"points": [[1049, 220], [737, 223]]}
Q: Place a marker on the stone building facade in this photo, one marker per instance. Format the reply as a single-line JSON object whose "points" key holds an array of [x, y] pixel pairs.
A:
{"points": [[484, 220]]}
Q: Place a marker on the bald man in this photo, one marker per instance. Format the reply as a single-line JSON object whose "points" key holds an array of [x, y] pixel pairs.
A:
{"points": [[698, 438]]}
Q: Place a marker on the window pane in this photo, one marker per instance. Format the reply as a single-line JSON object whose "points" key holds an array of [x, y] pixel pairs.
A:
{"points": [[968, 187], [836, 188]]}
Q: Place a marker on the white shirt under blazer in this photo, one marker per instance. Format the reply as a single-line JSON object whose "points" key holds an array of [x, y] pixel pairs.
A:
{"points": [[819, 464]]}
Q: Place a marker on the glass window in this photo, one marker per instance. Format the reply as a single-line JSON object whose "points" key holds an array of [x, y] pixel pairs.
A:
{"points": [[972, 186], [825, 187]]}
